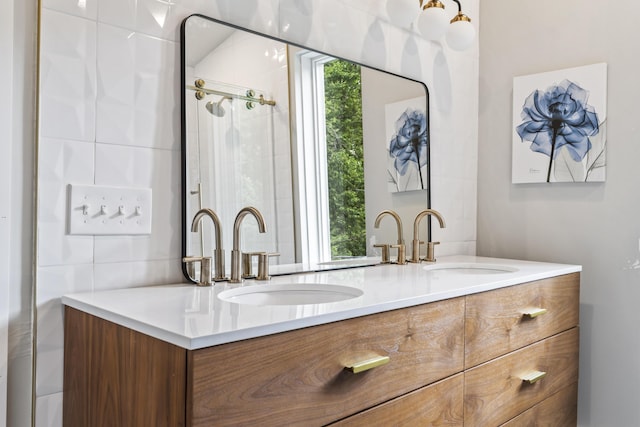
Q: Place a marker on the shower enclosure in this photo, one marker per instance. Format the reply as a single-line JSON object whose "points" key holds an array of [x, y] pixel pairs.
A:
{"points": [[233, 163]]}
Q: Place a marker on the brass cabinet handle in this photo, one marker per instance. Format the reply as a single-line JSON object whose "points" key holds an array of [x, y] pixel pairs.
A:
{"points": [[365, 365], [534, 312], [533, 377]]}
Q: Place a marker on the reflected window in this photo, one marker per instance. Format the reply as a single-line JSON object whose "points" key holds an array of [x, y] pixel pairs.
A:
{"points": [[345, 158], [331, 159]]}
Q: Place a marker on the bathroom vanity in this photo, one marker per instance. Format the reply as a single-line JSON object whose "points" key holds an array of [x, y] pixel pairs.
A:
{"points": [[466, 341]]}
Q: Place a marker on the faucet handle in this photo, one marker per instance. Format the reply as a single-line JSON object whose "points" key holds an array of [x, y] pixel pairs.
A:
{"points": [[402, 258], [219, 270], [190, 261], [247, 264], [263, 265], [385, 252], [415, 250], [431, 252], [205, 269]]}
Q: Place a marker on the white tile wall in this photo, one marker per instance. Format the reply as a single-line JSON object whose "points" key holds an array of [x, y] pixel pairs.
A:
{"points": [[49, 410], [67, 77], [159, 170], [143, 273], [259, 15], [62, 162], [82, 8], [138, 100], [54, 282], [329, 26], [109, 115]]}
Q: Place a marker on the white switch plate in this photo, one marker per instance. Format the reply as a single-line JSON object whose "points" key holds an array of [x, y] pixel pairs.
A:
{"points": [[103, 210]]}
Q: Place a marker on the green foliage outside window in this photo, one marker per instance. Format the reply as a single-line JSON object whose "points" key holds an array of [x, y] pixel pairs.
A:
{"points": [[345, 160]]}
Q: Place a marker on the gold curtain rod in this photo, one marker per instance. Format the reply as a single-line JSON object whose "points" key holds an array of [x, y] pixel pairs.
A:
{"points": [[202, 91]]}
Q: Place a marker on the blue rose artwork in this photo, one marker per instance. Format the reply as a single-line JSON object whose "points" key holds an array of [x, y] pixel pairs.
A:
{"points": [[563, 128], [407, 148]]}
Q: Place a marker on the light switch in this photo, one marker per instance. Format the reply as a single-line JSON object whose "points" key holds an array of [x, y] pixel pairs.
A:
{"points": [[103, 210]]}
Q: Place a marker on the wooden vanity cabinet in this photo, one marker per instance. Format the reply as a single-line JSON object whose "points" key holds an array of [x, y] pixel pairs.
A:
{"points": [[292, 378], [560, 409], [118, 377], [115, 376], [497, 322], [504, 345], [299, 377], [495, 391], [438, 404]]}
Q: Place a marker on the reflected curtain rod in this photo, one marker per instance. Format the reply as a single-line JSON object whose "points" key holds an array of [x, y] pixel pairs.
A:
{"points": [[202, 91]]}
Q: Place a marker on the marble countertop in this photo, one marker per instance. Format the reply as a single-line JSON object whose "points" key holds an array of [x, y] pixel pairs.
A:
{"points": [[195, 317]]}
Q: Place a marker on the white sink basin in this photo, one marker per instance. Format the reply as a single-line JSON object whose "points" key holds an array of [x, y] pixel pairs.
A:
{"points": [[289, 294], [470, 268]]}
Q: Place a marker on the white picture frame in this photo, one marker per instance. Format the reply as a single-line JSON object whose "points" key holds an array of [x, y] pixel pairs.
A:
{"points": [[559, 126]]}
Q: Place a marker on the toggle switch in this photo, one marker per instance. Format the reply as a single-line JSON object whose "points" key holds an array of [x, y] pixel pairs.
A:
{"points": [[104, 210]]}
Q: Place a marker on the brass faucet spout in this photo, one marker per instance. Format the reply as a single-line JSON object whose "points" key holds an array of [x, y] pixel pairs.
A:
{"points": [[415, 250], [195, 225], [416, 222], [400, 245], [218, 252], [235, 252], [236, 224], [398, 223]]}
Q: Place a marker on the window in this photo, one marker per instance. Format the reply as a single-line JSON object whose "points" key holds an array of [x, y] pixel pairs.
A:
{"points": [[330, 157]]}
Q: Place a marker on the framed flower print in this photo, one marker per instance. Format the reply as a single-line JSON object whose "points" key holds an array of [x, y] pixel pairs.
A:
{"points": [[407, 139], [559, 126]]}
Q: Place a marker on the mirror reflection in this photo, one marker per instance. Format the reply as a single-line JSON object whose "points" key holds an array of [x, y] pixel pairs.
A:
{"points": [[319, 145]]}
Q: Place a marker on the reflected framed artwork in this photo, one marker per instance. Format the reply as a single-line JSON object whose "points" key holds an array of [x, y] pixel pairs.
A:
{"points": [[559, 126], [407, 139]]}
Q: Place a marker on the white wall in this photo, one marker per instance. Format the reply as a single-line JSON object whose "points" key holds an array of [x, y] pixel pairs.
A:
{"points": [[6, 80], [17, 140], [596, 225], [109, 115]]}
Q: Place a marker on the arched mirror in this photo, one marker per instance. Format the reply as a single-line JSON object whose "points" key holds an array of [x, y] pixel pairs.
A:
{"points": [[319, 145]]}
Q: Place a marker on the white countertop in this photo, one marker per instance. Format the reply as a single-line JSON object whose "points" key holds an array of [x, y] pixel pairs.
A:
{"points": [[194, 317]]}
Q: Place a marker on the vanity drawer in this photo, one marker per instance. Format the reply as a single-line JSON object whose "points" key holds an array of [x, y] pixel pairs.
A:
{"points": [[299, 377], [495, 391], [496, 322], [559, 410], [437, 404]]}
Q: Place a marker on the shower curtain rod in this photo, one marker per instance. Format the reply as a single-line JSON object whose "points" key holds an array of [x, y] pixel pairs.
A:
{"points": [[202, 91]]}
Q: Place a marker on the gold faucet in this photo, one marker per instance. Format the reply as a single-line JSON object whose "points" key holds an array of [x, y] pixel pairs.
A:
{"points": [[218, 252], [400, 246], [235, 252], [415, 250]]}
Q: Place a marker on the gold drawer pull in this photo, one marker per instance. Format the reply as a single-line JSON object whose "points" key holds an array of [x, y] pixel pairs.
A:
{"points": [[534, 312], [365, 365], [533, 377]]}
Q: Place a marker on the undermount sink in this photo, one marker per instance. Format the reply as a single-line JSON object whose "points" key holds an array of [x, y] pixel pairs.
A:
{"points": [[470, 268], [289, 294]]}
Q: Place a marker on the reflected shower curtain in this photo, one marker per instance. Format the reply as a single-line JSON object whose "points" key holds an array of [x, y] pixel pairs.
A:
{"points": [[236, 167]]}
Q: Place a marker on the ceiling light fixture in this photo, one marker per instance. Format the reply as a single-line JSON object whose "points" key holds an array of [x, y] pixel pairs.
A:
{"points": [[433, 23], [461, 33], [433, 20]]}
